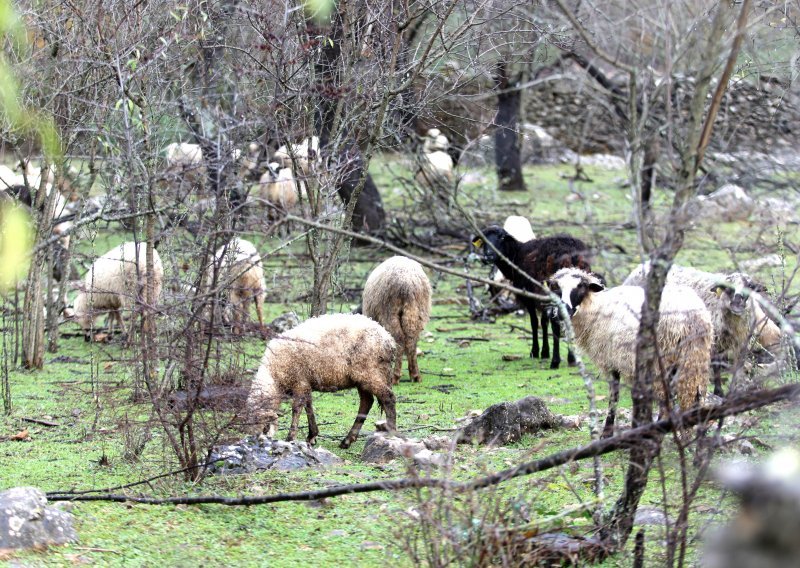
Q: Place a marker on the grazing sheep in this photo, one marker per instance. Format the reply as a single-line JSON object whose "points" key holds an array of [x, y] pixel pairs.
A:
{"points": [[436, 165], [732, 311], [398, 296], [325, 353], [519, 228], [304, 155], [184, 161], [239, 270], [113, 286], [606, 325], [537, 259]]}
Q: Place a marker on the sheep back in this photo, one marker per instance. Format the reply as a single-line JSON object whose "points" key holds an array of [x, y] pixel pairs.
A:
{"points": [[111, 282], [397, 295], [325, 353], [606, 327]]}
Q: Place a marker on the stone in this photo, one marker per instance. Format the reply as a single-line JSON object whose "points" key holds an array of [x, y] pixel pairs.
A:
{"points": [[507, 422], [381, 448], [427, 458], [26, 521], [255, 453], [728, 203], [649, 516], [763, 532]]}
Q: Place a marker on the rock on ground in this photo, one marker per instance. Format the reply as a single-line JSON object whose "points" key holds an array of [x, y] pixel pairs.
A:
{"points": [[255, 453], [507, 422], [26, 521], [382, 448]]}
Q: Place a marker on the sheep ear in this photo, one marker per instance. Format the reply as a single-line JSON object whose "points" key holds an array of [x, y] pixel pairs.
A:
{"points": [[596, 287], [68, 313]]}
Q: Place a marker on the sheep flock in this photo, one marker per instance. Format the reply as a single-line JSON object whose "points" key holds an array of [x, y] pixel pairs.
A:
{"points": [[709, 322]]}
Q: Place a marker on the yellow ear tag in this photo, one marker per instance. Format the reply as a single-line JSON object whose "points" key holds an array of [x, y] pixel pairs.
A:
{"points": [[546, 286], [477, 243], [718, 291]]}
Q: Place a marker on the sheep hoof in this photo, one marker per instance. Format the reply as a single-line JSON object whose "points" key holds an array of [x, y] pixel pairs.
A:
{"points": [[311, 440], [345, 443], [416, 379], [555, 364], [545, 355]]}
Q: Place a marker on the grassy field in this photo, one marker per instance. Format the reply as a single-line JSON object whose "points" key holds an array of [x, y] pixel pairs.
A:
{"points": [[86, 389]]}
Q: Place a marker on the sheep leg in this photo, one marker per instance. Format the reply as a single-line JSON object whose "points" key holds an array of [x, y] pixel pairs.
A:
{"points": [[363, 411], [411, 356], [398, 367], [534, 331], [613, 399], [313, 430], [259, 297], [545, 342], [298, 402], [556, 343], [717, 363], [386, 400]]}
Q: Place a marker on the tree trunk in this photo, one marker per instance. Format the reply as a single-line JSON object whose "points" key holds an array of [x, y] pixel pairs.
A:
{"points": [[369, 215], [506, 137]]}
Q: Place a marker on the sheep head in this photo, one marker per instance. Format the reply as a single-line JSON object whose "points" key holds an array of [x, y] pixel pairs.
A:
{"points": [[735, 290], [573, 285], [494, 239]]}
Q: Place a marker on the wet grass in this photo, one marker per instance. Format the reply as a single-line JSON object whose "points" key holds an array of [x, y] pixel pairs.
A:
{"points": [[86, 390]]}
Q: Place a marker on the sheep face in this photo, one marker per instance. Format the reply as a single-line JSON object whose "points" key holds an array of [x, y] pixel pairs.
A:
{"points": [[735, 292], [492, 241], [573, 286]]}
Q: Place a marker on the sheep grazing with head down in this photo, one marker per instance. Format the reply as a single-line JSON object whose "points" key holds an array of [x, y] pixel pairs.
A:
{"points": [[114, 284], [528, 265], [735, 315], [398, 296], [239, 271], [325, 353], [436, 165], [606, 325]]}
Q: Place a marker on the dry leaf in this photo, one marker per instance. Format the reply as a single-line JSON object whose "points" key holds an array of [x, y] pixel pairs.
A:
{"points": [[19, 436]]}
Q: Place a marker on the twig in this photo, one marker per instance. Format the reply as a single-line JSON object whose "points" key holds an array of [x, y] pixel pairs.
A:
{"points": [[94, 549], [42, 422]]}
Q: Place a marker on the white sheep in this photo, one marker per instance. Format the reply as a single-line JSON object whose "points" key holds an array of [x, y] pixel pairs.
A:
{"points": [[305, 155], [185, 161], [436, 165], [397, 295], [606, 325], [520, 228], [733, 313], [114, 284], [326, 353], [279, 188], [239, 271]]}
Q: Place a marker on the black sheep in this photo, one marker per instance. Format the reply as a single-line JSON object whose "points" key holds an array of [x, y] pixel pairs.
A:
{"points": [[538, 259]]}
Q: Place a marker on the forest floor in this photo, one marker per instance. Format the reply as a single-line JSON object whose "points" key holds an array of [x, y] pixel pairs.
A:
{"points": [[466, 365]]}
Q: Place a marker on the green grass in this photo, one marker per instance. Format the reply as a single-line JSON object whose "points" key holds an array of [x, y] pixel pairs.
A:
{"points": [[89, 396]]}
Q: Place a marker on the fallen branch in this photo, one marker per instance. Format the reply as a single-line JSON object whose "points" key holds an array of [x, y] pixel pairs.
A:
{"points": [[42, 422], [624, 440]]}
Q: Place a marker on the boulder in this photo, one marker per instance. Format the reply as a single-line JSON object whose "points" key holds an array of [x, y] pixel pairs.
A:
{"points": [[255, 453], [381, 448], [507, 422], [728, 203], [26, 521]]}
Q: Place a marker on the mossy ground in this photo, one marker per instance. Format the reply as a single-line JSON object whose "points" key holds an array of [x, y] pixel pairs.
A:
{"points": [[86, 389]]}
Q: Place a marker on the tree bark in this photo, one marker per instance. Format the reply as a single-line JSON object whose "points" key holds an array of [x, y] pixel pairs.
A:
{"points": [[507, 154]]}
